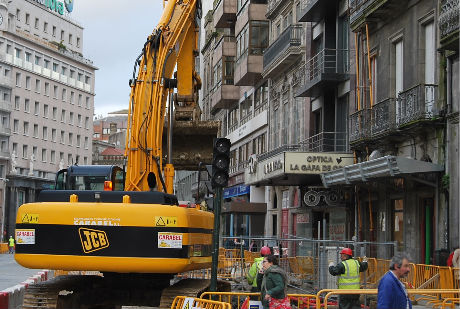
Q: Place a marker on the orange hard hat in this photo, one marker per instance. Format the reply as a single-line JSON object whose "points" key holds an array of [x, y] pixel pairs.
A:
{"points": [[347, 251], [265, 250]]}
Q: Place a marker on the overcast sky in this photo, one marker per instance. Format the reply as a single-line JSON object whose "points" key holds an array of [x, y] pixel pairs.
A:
{"points": [[113, 36]]}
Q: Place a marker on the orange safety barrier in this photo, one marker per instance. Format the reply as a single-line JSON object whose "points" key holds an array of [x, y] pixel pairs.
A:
{"points": [[179, 303], [3, 248], [300, 300]]}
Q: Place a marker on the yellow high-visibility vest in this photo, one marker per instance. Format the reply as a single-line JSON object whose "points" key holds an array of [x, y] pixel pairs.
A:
{"points": [[350, 279]]}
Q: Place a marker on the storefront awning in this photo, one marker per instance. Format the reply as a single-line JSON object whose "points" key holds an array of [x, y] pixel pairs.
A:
{"points": [[388, 166], [244, 207]]}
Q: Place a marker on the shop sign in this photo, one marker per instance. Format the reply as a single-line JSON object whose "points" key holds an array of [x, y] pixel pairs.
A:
{"points": [[265, 169], [273, 166], [236, 191], [315, 163], [57, 6]]}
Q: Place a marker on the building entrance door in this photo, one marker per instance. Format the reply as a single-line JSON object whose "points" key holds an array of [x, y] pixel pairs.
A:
{"points": [[427, 231]]}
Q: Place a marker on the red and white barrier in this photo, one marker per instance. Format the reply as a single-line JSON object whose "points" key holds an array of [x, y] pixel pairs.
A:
{"points": [[13, 297]]}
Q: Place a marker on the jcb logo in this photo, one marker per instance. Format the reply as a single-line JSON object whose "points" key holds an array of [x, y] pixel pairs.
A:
{"points": [[92, 240]]}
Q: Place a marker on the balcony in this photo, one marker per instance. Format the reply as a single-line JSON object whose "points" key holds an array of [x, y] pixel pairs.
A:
{"points": [[315, 10], [224, 13], [326, 142], [6, 81], [238, 168], [283, 52], [224, 96], [326, 69], [360, 128], [248, 69], [6, 106], [5, 131], [448, 24], [274, 6], [416, 104], [373, 11], [383, 117]]}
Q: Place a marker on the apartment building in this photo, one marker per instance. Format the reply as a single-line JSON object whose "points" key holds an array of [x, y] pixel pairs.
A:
{"points": [[47, 99], [402, 121]]}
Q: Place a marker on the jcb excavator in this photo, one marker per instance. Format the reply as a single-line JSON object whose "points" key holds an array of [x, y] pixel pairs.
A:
{"points": [[138, 239]]}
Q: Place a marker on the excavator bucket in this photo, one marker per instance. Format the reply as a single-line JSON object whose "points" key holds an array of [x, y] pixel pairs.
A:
{"points": [[192, 143]]}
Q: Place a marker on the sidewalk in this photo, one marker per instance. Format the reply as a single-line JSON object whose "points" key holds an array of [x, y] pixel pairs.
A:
{"points": [[11, 273]]}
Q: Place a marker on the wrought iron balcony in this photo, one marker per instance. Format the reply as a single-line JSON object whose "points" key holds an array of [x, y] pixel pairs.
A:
{"points": [[417, 103], [383, 116], [327, 68], [315, 10], [360, 127], [362, 11], [238, 168], [6, 106], [448, 23], [273, 7], [326, 142], [224, 13], [284, 50]]}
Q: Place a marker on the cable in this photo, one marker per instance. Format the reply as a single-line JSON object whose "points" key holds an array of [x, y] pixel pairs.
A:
{"points": [[160, 175]]}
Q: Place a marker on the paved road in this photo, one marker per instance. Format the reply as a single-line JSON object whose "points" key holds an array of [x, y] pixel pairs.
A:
{"points": [[11, 273]]}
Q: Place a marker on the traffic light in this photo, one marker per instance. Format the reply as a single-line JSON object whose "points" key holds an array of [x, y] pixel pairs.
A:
{"points": [[220, 162]]}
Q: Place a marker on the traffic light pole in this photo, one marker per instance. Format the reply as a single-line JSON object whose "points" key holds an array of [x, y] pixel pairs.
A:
{"points": [[215, 238]]}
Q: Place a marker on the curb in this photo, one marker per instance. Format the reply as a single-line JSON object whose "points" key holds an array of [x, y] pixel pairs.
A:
{"points": [[13, 297]]}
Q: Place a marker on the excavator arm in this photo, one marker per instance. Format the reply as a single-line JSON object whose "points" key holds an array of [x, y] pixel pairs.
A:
{"points": [[173, 44]]}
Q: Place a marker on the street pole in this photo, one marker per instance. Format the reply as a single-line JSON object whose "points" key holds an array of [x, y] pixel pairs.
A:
{"points": [[215, 238], [3, 208]]}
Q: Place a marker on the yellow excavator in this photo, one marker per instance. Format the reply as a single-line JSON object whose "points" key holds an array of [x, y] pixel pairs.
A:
{"points": [[139, 238]]}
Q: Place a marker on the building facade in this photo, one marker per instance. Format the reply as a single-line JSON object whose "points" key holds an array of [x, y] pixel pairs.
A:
{"points": [[47, 93]]}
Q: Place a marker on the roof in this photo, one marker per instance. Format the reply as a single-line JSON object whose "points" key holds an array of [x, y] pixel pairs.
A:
{"points": [[112, 152], [388, 166]]}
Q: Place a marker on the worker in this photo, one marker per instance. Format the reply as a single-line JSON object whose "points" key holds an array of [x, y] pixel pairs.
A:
{"points": [[11, 245], [256, 267], [348, 271]]}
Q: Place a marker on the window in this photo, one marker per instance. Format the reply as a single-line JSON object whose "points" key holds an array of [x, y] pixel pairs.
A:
{"points": [[46, 63], [45, 110], [15, 147], [228, 70], [87, 79], [45, 27], [72, 97], [53, 135], [79, 120], [27, 19], [26, 105], [37, 60], [87, 103], [64, 94], [86, 122], [37, 86], [16, 102], [259, 37], [78, 141], [78, 41], [61, 156], [71, 118], [43, 155], [36, 23], [242, 41], [55, 92], [70, 138], [55, 67], [69, 159], [26, 128], [62, 139], [86, 142], [28, 56], [63, 70], [285, 129], [24, 151], [53, 156], [62, 35], [47, 89], [18, 14], [54, 113], [79, 77], [18, 52], [85, 160], [16, 126], [260, 98], [80, 98], [27, 82], [54, 31], [45, 133], [35, 130], [72, 73], [36, 108], [70, 38], [18, 79], [63, 115]]}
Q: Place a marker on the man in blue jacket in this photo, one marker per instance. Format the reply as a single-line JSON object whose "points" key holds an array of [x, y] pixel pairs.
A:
{"points": [[392, 293]]}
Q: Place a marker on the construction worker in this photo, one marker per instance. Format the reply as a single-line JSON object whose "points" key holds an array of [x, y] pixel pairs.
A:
{"points": [[256, 267], [11, 245], [348, 271]]}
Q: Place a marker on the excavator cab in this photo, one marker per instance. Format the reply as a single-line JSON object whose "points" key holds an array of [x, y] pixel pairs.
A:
{"points": [[90, 178]]}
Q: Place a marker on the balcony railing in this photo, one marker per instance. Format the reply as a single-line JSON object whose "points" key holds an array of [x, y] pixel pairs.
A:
{"points": [[292, 36], [416, 103], [272, 5], [360, 125], [326, 142], [238, 168], [448, 17], [383, 116], [327, 61], [6, 106]]}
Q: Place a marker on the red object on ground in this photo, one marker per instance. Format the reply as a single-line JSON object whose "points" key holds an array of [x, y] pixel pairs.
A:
{"points": [[4, 300]]}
